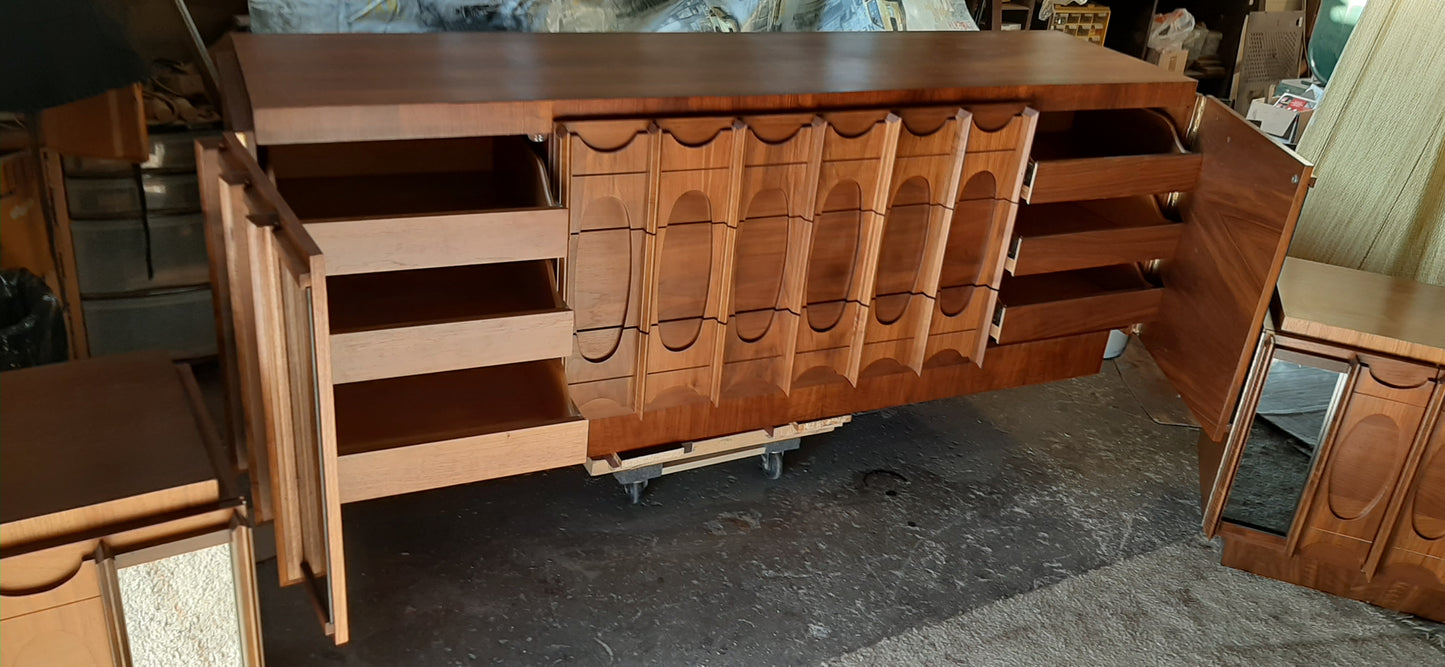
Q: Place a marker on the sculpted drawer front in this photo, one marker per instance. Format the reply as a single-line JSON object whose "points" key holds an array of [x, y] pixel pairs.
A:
{"points": [[777, 139], [999, 127], [1417, 543], [72, 634], [608, 146], [859, 135], [404, 243], [696, 143], [39, 581]]}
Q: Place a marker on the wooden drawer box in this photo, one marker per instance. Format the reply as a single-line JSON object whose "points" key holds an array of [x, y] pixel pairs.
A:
{"points": [[1081, 235], [1107, 154], [398, 205], [422, 432], [1060, 304], [431, 320]]}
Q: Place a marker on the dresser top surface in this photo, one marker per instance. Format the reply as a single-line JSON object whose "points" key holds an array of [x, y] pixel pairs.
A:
{"points": [[617, 73], [1363, 309], [86, 432]]}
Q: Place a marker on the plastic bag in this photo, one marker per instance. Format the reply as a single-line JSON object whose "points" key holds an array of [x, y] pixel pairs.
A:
{"points": [[1170, 30], [32, 322]]}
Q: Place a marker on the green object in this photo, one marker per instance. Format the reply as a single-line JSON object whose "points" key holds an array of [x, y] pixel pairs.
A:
{"points": [[1337, 19]]}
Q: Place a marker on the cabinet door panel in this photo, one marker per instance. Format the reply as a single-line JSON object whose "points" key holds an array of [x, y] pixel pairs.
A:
{"points": [[279, 295], [1237, 226], [1417, 542], [1359, 473]]}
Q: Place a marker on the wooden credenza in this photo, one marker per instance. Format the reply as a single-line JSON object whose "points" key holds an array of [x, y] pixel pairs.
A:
{"points": [[1332, 476], [446, 258]]}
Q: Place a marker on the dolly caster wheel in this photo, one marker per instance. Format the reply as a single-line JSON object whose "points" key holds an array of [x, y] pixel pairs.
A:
{"points": [[634, 491], [773, 465]]}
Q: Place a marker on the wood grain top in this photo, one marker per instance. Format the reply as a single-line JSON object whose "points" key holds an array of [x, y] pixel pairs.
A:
{"points": [[88, 432], [1362, 309], [454, 84]]}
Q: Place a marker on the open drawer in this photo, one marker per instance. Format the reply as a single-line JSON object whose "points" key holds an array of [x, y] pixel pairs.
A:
{"points": [[397, 205], [432, 320], [423, 432], [418, 373], [1073, 302], [1105, 154], [1079, 235]]}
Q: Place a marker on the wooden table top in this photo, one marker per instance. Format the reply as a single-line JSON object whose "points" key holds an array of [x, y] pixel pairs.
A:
{"points": [[333, 87], [86, 432], [1362, 309]]}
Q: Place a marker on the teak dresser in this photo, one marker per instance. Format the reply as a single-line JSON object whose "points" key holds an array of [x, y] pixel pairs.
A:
{"points": [[450, 257], [1333, 476]]}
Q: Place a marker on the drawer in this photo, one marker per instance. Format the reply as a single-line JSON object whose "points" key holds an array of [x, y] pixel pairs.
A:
{"points": [[695, 143], [74, 634], [1061, 304], [1078, 235], [858, 135], [608, 146], [604, 373], [395, 206], [1395, 380], [181, 322], [405, 243], [958, 330], [931, 131], [608, 201], [120, 197], [781, 139], [605, 278], [421, 432], [431, 320], [81, 584], [992, 175], [999, 127], [110, 255], [170, 151], [1108, 154]]}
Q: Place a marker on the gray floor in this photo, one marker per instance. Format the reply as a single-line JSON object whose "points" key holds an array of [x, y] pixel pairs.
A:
{"points": [[903, 518]]}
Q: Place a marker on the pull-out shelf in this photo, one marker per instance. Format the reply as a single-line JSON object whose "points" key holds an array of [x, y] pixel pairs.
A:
{"points": [[1081, 235], [1107, 154], [1072, 302], [422, 432], [431, 320]]}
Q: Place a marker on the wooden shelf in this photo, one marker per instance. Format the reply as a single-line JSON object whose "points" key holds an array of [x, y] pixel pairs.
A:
{"points": [[1051, 305], [375, 301], [418, 409], [386, 325], [382, 179], [1107, 154], [1065, 236]]}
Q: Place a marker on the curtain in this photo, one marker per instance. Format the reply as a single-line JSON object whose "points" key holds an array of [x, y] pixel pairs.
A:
{"points": [[1378, 144]]}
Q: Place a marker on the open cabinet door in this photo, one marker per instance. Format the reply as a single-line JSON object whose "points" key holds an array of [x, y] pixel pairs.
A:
{"points": [[1238, 223], [281, 338]]}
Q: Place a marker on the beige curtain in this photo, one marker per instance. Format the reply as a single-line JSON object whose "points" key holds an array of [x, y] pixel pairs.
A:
{"points": [[1378, 144]]}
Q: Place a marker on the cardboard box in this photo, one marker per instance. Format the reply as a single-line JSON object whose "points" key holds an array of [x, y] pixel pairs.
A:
{"points": [[1281, 5], [1281, 122], [1173, 60]]}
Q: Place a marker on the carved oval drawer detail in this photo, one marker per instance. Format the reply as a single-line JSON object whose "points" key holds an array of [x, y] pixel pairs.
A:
{"points": [[603, 268], [967, 237], [761, 252], [684, 269], [834, 255], [1427, 508], [901, 254], [1359, 475]]}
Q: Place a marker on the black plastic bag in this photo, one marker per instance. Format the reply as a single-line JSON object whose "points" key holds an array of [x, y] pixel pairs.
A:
{"points": [[32, 322]]}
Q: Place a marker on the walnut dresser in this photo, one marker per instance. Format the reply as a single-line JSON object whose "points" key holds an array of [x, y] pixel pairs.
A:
{"points": [[1333, 476], [446, 258], [125, 540]]}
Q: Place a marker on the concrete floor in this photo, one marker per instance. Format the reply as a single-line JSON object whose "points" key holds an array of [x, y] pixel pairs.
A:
{"points": [[906, 516]]}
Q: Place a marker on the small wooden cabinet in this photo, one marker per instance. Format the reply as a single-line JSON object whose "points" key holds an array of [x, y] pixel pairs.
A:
{"points": [[478, 265], [1330, 477], [125, 540]]}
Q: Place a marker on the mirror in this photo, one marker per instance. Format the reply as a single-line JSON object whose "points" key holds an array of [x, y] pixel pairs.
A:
{"points": [[1290, 421]]}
